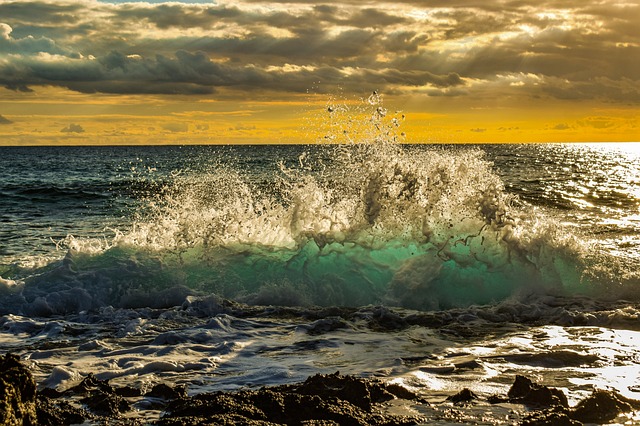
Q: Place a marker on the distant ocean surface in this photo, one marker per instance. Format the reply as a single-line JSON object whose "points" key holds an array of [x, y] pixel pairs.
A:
{"points": [[224, 267]]}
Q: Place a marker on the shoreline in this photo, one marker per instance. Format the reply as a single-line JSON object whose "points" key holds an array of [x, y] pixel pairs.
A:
{"points": [[322, 399]]}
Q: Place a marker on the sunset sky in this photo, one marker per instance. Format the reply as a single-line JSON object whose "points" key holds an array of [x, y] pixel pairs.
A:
{"points": [[253, 71]]}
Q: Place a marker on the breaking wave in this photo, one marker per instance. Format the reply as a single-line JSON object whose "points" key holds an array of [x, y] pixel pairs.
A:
{"points": [[345, 224]]}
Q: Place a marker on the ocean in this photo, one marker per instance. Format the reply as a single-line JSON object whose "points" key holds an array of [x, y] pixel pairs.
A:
{"points": [[435, 267]]}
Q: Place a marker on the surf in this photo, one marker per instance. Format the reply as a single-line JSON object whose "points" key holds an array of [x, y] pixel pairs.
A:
{"points": [[343, 224]]}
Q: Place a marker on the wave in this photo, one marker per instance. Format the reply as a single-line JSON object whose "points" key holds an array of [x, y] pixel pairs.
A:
{"points": [[53, 193], [347, 225]]}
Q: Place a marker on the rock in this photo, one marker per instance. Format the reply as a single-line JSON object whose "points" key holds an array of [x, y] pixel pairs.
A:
{"points": [[220, 420], [550, 417], [347, 388], [50, 393], [462, 397], [320, 400], [468, 365], [128, 392], [106, 404], [17, 393], [403, 393], [497, 399], [59, 413], [524, 391], [89, 384], [603, 406], [164, 391]]}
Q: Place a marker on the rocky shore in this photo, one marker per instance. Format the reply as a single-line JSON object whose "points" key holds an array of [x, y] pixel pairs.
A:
{"points": [[330, 399]]}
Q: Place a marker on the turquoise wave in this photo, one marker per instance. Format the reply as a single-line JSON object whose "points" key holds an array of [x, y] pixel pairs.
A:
{"points": [[377, 224]]}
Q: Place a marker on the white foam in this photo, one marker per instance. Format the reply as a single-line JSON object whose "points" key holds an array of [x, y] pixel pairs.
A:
{"points": [[60, 376]]}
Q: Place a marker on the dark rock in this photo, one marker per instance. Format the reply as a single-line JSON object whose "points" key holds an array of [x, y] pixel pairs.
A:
{"points": [[551, 417], [105, 404], [347, 388], [361, 393], [128, 392], [521, 387], [50, 393], [320, 400], [164, 391], [603, 406], [17, 393], [464, 396], [325, 400], [89, 384], [524, 391], [497, 399], [219, 420], [402, 393], [218, 403], [468, 365], [99, 397], [59, 413]]}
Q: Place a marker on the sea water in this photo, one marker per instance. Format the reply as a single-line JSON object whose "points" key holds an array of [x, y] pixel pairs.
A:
{"points": [[225, 267]]}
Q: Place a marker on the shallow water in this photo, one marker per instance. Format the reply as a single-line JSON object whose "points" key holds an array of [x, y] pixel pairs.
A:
{"points": [[210, 346]]}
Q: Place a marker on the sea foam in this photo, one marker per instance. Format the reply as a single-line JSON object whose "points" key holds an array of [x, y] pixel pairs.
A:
{"points": [[348, 224]]}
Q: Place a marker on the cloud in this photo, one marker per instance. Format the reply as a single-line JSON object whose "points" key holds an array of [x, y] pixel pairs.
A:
{"points": [[478, 130], [26, 45], [176, 127], [242, 128], [73, 128], [561, 126], [62, 12], [583, 50], [191, 73], [154, 1], [4, 120], [5, 31], [599, 122]]}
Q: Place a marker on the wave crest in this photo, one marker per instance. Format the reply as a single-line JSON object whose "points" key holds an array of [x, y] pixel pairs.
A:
{"points": [[346, 224]]}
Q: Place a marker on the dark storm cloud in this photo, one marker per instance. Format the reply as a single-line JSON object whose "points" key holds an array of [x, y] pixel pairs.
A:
{"points": [[27, 45], [63, 13], [183, 16], [165, 16], [413, 78], [186, 73], [575, 49], [193, 73]]}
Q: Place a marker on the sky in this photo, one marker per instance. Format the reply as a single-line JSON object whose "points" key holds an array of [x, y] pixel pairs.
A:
{"points": [[260, 71]]}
